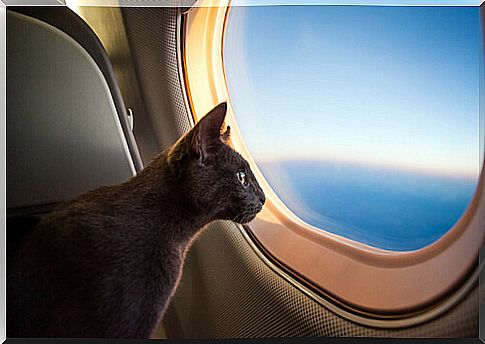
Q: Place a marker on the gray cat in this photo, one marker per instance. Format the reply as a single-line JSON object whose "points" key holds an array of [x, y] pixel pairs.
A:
{"points": [[107, 263]]}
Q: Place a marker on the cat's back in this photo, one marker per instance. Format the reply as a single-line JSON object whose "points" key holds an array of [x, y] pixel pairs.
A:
{"points": [[19, 228], [50, 267], [71, 272]]}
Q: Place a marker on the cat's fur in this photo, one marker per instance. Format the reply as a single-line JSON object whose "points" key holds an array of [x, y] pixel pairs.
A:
{"points": [[107, 263]]}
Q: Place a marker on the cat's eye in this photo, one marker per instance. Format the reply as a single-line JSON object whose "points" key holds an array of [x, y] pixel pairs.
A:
{"points": [[241, 176]]}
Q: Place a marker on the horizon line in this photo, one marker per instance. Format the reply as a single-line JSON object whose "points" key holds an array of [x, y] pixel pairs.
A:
{"points": [[388, 166]]}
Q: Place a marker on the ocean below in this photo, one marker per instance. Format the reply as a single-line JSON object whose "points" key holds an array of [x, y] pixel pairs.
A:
{"points": [[385, 208]]}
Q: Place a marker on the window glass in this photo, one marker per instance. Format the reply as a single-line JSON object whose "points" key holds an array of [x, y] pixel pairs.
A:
{"points": [[363, 119]]}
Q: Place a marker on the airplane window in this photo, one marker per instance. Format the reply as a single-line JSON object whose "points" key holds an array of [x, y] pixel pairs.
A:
{"points": [[363, 119]]}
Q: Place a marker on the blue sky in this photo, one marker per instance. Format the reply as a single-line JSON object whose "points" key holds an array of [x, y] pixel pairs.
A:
{"points": [[359, 2], [390, 86]]}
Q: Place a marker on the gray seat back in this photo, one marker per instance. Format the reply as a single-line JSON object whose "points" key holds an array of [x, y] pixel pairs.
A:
{"points": [[64, 134]]}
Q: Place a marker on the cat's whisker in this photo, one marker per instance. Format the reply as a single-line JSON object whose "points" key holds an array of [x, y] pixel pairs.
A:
{"points": [[238, 217]]}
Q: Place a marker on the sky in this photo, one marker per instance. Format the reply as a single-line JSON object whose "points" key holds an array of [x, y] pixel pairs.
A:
{"points": [[388, 86], [359, 2]]}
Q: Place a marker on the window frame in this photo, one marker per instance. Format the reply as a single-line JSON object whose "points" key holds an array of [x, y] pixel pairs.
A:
{"points": [[363, 279]]}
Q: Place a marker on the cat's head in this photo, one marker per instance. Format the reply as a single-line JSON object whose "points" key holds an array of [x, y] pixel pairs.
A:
{"points": [[216, 178]]}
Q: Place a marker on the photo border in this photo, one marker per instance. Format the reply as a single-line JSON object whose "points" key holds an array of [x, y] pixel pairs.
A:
{"points": [[177, 3]]}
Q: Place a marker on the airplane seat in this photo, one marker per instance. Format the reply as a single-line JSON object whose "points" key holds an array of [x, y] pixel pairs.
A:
{"points": [[67, 125], [67, 128]]}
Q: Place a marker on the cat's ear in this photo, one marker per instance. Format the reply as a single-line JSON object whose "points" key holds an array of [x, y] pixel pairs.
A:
{"points": [[226, 137], [208, 131]]}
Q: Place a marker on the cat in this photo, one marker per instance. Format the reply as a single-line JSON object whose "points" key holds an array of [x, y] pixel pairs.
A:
{"points": [[106, 264]]}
